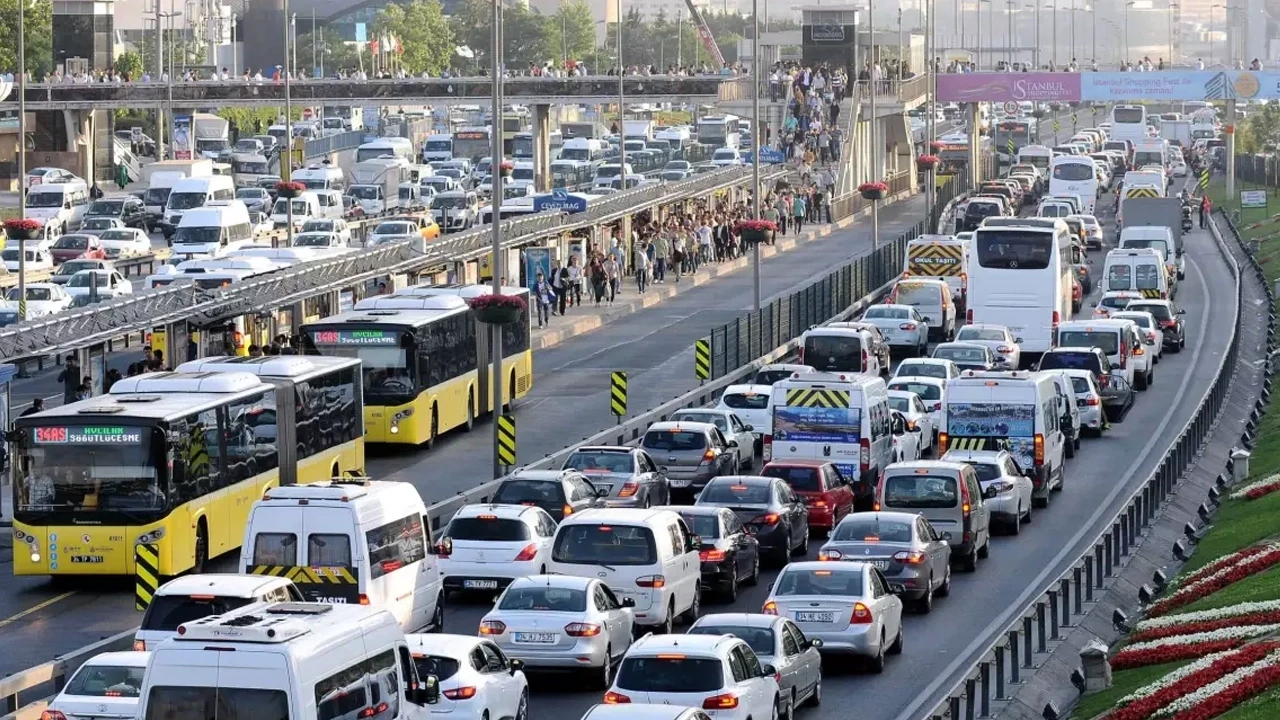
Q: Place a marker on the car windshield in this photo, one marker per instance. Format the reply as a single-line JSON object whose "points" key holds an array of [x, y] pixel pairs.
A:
{"points": [[34, 294], [986, 334], [674, 440], [908, 369], [125, 235], [167, 612], [363, 192], [318, 226], [106, 681], [1106, 340], [544, 598], [836, 582], [670, 673], [920, 491], [721, 492], [99, 223], [759, 638], [71, 267], [487, 528], [193, 235], [887, 313], [186, 201], [11, 255], [457, 202], [605, 545], [872, 528], [72, 242], [590, 461], [517, 492], [926, 391], [44, 199], [801, 479]]}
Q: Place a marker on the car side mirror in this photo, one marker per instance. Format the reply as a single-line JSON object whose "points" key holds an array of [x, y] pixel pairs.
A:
{"points": [[516, 666], [426, 693], [444, 547], [628, 602], [768, 670], [990, 493], [733, 443], [749, 428], [815, 643], [1017, 341], [1182, 312]]}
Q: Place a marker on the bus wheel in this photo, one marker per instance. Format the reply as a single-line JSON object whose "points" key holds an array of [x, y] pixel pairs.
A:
{"points": [[435, 426], [471, 411], [511, 393], [202, 547], [335, 472]]}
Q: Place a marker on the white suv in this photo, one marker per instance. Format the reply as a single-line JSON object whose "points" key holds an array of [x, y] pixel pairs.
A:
{"points": [[713, 672]]}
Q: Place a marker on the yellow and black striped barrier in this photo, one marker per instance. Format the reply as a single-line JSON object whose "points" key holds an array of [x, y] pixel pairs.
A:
{"points": [[1010, 146], [1141, 192], [803, 397], [702, 359], [1151, 294], [146, 572], [618, 393], [1056, 125], [935, 260], [506, 440], [973, 443], [308, 575], [1204, 180]]}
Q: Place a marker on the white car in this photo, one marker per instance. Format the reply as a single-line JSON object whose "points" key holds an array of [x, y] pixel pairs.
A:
{"points": [[751, 403], [125, 242], [714, 672], [770, 374], [1005, 489], [48, 176], [916, 415], [99, 225], [110, 284], [644, 712], [777, 642], [331, 225], [392, 231], [1114, 301], [106, 686], [908, 444], [562, 622], [1089, 400], [846, 605], [1179, 169], [38, 259], [42, 299], [477, 680], [726, 157], [930, 390], [940, 368], [999, 338], [323, 240], [495, 544], [1148, 329], [732, 426]]}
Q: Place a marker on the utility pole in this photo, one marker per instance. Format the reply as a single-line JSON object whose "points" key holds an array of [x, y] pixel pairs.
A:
{"points": [[876, 142], [756, 136], [22, 156], [622, 114]]}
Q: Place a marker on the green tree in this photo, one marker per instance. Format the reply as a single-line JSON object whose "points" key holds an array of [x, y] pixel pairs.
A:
{"points": [[177, 50], [329, 52], [129, 63], [426, 38], [38, 23], [573, 30], [528, 35]]}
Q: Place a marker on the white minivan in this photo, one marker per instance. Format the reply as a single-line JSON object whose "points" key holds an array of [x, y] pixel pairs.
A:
{"points": [[59, 206], [647, 555], [1157, 237], [213, 230], [192, 597], [192, 193], [350, 541], [305, 207]]}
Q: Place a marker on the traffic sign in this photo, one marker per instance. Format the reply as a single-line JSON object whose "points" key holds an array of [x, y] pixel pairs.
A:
{"points": [[1074, 119], [1056, 125], [146, 561], [702, 359], [1204, 179], [1010, 146], [1010, 108], [618, 393], [506, 440]]}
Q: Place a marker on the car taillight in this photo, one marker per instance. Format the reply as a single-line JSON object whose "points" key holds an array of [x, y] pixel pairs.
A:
{"points": [[373, 711], [1124, 355], [629, 489], [769, 519], [582, 629], [766, 448], [907, 326], [652, 581], [1039, 443], [527, 554], [492, 627], [830, 554], [861, 614], [1004, 349], [1054, 326], [770, 608], [864, 457], [139, 645], [613, 698], [711, 555], [462, 693], [728, 701], [1092, 401], [965, 500], [567, 510], [866, 360], [52, 715], [937, 406], [363, 599], [710, 454], [801, 354], [968, 316], [910, 558]]}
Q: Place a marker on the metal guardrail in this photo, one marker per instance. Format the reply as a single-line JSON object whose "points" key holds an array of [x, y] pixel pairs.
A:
{"points": [[1011, 652], [439, 514], [333, 143]]}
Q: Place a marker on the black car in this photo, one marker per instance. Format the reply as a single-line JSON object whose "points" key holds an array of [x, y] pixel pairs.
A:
{"points": [[560, 492], [1169, 316], [730, 555], [1085, 276], [128, 210], [974, 213], [1117, 393], [769, 509]]}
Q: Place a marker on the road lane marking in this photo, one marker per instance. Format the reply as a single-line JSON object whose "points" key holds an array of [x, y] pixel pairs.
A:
{"points": [[36, 608]]}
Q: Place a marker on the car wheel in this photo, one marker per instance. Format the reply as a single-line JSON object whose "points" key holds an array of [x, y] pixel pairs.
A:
{"points": [[969, 563], [1140, 382], [816, 698], [1015, 527], [925, 604], [691, 615], [945, 588], [437, 618], [876, 663], [1071, 448], [668, 625], [605, 678], [984, 552], [790, 713], [754, 578], [899, 642], [1151, 378]]}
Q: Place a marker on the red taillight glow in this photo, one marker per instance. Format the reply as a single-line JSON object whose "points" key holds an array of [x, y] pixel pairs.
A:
{"points": [[864, 457], [373, 711], [1004, 349], [613, 698], [492, 627], [1039, 443], [711, 555], [139, 645], [770, 519], [866, 361], [528, 553], [728, 701], [861, 615], [652, 581], [907, 326], [830, 555], [1092, 401], [582, 630], [567, 510], [463, 693], [770, 608], [364, 599], [52, 715], [709, 455], [629, 489], [910, 558]]}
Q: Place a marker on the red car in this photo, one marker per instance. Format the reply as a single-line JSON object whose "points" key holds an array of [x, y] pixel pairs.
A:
{"points": [[1077, 294], [825, 492], [78, 245]]}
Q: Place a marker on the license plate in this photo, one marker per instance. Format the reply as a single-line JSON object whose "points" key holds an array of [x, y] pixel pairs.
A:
{"points": [[676, 482], [815, 617], [541, 638], [480, 584], [88, 559], [882, 564]]}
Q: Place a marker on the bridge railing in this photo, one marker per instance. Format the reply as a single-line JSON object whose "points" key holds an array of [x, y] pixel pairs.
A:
{"points": [[333, 143], [892, 90]]}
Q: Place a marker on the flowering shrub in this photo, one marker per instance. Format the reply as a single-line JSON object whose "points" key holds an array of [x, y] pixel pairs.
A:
{"points": [[1258, 489], [872, 187], [1214, 566], [512, 302], [26, 225], [935, 146], [1181, 674], [928, 160], [754, 226], [1231, 611], [1252, 561], [1265, 618], [506, 166], [1185, 647], [290, 187], [1226, 692], [1152, 698]]}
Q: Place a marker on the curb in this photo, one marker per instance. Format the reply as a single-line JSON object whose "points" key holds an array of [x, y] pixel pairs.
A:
{"points": [[657, 293]]}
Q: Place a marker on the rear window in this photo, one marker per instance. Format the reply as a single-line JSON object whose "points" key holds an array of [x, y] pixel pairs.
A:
{"points": [[1070, 361], [517, 492], [670, 674], [924, 390], [106, 681], [704, 526], [856, 529], [833, 353], [801, 479], [972, 333], [759, 638], [167, 612], [481, 529], [960, 355], [275, 549], [703, 417], [921, 491], [1161, 312], [746, 401], [595, 460], [837, 581], [328, 550], [730, 493], [1120, 277], [1115, 302], [222, 703], [1107, 342], [442, 667], [900, 404], [985, 471], [605, 545], [1141, 320], [769, 377], [1147, 277], [917, 294], [887, 313], [539, 597], [922, 369], [674, 440]]}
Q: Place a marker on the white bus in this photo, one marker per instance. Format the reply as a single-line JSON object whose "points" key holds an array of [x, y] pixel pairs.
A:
{"points": [[719, 131], [1020, 277], [1129, 122], [1038, 155], [1075, 175]]}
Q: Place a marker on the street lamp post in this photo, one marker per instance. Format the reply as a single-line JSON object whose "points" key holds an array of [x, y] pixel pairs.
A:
{"points": [[22, 157], [495, 331], [1037, 6], [1055, 34], [1073, 31], [876, 142], [1008, 54], [622, 114], [1172, 6], [286, 160], [756, 135]]}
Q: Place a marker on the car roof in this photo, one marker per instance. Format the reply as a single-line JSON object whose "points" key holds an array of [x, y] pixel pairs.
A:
{"points": [[226, 584], [504, 512], [606, 448], [456, 646], [926, 361], [741, 619], [810, 565], [1075, 349], [555, 581], [743, 480], [669, 425], [914, 465], [747, 389], [919, 379], [694, 509], [883, 515], [974, 346], [985, 326], [680, 642], [123, 658], [973, 455]]}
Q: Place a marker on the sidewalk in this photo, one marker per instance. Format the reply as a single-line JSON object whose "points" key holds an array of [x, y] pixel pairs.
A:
{"points": [[588, 317]]}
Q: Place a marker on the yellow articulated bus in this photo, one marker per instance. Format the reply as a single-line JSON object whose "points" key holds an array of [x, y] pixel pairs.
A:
{"points": [[422, 352], [176, 459]]}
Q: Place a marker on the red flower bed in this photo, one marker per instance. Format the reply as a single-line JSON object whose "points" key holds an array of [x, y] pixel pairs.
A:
{"points": [[929, 160], [290, 187], [1246, 688], [24, 225], [869, 186], [1265, 490], [1126, 659], [479, 302], [1244, 569], [755, 226], [1266, 618], [1143, 708]]}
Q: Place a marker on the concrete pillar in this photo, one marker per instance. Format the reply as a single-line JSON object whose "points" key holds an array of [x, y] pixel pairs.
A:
{"points": [[542, 148], [624, 231], [79, 131], [1231, 150], [975, 170]]}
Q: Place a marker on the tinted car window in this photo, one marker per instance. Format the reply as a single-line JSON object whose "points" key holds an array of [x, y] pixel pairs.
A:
{"points": [[758, 638], [608, 544], [1108, 342], [1161, 312], [588, 460], [442, 667], [538, 597], [1070, 361], [487, 530], [836, 581], [674, 674], [732, 494], [857, 529], [672, 440], [801, 479], [920, 491], [515, 492], [986, 471], [743, 401], [833, 352], [167, 612], [924, 390]]}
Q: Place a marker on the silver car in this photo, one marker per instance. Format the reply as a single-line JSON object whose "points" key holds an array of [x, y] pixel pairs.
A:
{"points": [[562, 622], [1005, 490], [1004, 346], [913, 556], [903, 327], [690, 453], [728, 422], [1089, 400], [777, 642], [624, 476]]}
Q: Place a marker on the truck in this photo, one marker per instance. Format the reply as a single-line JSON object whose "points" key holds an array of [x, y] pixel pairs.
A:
{"points": [[189, 168], [1160, 212], [1177, 132], [637, 129], [212, 135], [376, 183]]}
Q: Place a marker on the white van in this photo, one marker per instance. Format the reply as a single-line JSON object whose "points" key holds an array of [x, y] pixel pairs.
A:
{"points": [[192, 597], [213, 230], [157, 195], [932, 298], [1159, 238], [649, 556], [438, 147], [1120, 340], [841, 349], [304, 661], [1013, 411], [305, 207], [59, 206], [320, 177], [350, 541], [191, 193], [1140, 269], [330, 204], [835, 417]]}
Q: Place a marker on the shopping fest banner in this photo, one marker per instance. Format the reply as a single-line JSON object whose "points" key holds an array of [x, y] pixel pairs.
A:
{"points": [[1156, 86]]}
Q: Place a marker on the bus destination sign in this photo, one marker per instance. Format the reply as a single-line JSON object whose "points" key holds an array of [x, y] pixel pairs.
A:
{"points": [[354, 337], [87, 435]]}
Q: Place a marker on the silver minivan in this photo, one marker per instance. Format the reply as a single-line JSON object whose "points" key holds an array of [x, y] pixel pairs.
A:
{"points": [[949, 496]]}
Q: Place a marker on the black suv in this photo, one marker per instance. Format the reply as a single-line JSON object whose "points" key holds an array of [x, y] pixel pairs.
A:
{"points": [[1169, 317], [128, 210], [1117, 393]]}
